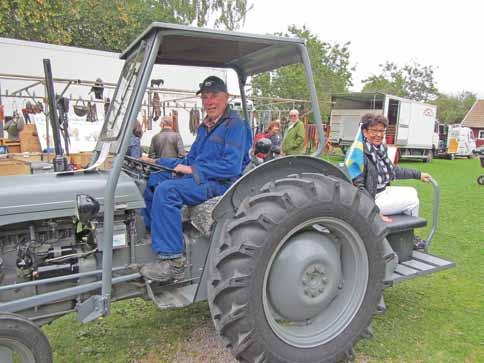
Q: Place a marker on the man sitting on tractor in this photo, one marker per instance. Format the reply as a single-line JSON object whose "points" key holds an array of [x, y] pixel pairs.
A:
{"points": [[216, 159]]}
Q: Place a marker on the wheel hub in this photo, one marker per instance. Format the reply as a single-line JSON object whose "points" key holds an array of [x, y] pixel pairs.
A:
{"points": [[314, 280], [305, 276]]}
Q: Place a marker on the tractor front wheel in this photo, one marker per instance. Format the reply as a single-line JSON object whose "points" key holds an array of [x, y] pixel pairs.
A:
{"points": [[298, 272], [22, 341]]}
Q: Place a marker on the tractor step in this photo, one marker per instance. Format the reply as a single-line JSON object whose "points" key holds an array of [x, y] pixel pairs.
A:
{"points": [[172, 297], [420, 264]]}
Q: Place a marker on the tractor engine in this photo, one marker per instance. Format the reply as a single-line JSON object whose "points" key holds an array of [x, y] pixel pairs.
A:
{"points": [[38, 250]]}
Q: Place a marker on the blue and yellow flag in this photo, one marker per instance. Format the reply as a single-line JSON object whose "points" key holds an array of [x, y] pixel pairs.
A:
{"points": [[354, 160]]}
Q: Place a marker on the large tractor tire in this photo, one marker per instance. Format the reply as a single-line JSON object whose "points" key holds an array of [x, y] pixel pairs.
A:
{"points": [[22, 341], [298, 272]]}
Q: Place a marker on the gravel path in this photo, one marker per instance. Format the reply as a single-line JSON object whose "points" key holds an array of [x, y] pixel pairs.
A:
{"points": [[203, 345]]}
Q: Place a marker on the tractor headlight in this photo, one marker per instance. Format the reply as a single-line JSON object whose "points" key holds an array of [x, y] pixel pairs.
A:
{"points": [[86, 208]]}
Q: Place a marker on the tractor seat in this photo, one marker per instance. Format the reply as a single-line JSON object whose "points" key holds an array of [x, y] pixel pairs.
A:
{"points": [[403, 222], [200, 215]]}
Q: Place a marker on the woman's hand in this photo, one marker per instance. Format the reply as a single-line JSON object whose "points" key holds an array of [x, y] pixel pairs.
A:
{"points": [[425, 177], [385, 218]]}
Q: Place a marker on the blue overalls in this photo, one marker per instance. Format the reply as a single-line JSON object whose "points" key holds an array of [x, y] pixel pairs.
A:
{"points": [[217, 159]]}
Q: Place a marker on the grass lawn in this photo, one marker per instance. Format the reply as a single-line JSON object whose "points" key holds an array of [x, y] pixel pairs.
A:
{"points": [[438, 318]]}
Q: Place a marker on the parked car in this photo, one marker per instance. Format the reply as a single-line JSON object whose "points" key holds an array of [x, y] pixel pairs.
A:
{"points": [[479, 150]]}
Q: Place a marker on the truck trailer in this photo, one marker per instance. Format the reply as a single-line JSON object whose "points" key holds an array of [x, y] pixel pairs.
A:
{"points": [[412, 126]]}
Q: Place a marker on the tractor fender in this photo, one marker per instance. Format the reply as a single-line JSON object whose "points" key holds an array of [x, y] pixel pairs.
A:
{"points": [[250, 184]]}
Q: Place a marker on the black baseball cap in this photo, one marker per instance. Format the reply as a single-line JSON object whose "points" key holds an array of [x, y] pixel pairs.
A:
{"points": [[212, 84]]}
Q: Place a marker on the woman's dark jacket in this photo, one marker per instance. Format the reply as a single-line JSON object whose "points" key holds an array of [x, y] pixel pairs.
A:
{"points": [[368, 180]]}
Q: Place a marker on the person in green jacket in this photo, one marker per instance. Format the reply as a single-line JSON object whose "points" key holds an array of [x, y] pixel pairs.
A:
{"points": [[293, 142]]}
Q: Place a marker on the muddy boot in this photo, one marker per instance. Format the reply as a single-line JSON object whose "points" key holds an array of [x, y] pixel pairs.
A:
{"points": [[164, 270]]}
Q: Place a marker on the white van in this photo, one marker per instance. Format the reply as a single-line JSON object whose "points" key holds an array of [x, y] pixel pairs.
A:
{"points": [[456, 140]]}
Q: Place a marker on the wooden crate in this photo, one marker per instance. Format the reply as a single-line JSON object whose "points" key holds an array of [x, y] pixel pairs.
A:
{"points": [[13, 145], [29, 139], [48, 157], [81, 159], [14, 167], [26, 156], [86, 157]]}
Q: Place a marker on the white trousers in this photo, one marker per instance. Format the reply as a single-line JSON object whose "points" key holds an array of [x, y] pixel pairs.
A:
{"points": [[397, 200]]}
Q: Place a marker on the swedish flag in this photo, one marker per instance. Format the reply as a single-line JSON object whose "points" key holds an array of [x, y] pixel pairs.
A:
{"points": [[354, 160]]}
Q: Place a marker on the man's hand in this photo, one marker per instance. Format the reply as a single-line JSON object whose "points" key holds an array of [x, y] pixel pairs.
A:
{"points": [[425, 177], [148, 159], [385, 218], [183, 169]]}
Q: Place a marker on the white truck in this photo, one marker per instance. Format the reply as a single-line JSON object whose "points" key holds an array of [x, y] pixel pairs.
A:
{"points": [[412, 127], [456, 140]]}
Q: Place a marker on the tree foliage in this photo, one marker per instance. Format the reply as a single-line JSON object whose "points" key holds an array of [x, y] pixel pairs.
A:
{"points": [[413, 81], [109, 24], [331, 71], [452, 108]]}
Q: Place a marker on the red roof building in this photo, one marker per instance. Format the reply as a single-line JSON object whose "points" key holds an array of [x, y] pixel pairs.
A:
{"points": [[475, 120]]}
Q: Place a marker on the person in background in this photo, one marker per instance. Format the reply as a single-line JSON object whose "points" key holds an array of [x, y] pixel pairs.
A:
{"points": [[13, 125], [134, 148], [167, 143], [376, 172], [272, 133], [293, 142], [216, 159]]}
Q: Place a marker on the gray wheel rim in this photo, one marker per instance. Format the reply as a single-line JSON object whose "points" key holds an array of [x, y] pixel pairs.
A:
{"points": [[334, 318], [17, 349]]}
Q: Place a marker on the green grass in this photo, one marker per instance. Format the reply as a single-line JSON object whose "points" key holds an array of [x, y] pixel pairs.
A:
{"points": [[438, 318]]}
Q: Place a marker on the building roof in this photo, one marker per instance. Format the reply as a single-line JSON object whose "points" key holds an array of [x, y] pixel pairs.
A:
{"points": [[475, 116]]}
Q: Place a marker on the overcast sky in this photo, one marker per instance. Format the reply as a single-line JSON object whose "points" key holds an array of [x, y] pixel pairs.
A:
{"points": [[449, 35]]}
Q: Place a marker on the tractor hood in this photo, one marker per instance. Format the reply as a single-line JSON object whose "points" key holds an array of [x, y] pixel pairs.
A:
{"points": [[41, 196]]}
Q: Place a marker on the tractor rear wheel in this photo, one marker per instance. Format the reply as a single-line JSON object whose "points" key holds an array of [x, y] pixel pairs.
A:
{"points": [[22, 341], [298, 272]]}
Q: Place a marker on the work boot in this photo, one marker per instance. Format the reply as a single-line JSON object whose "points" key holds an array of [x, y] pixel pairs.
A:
{"points": [[164, 270], [419, 243]]}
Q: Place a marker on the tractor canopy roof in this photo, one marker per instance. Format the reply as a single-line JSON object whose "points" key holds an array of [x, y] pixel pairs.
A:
{"points": [[248, 54]]}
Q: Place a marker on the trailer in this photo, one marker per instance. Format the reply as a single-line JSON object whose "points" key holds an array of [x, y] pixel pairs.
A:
{"points": [[76, 70], [412, 127]]}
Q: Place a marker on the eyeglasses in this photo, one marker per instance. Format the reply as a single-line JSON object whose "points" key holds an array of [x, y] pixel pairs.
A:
{"points": [[293, 115], [375, 132]]}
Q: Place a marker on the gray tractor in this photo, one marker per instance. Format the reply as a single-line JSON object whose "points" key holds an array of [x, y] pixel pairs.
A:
{"points": [[292, 259]]}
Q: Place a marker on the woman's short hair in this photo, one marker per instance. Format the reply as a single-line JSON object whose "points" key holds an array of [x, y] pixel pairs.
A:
{"points": [[370, 119], [167, 121], [273, 124], [137, 129]]}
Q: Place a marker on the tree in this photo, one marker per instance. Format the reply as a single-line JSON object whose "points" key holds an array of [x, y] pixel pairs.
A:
{"points": [[452, 108], [331, 71], [413, 81], [109, 24]]}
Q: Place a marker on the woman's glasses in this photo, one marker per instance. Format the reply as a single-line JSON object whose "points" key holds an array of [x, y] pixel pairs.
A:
{"points": [[375, 132]]}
